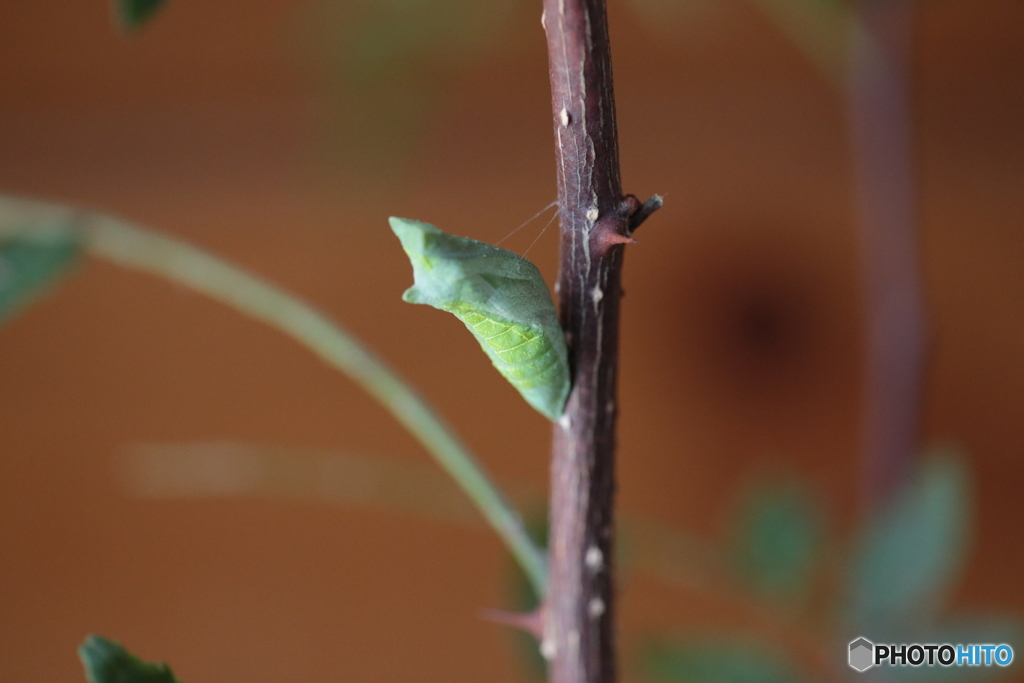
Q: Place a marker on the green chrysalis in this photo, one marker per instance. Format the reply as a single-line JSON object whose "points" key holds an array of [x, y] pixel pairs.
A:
{"points": [[502, 299]]}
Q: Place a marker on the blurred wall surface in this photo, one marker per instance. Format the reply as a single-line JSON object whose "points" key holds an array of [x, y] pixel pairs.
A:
{"points": [[281, 135]]}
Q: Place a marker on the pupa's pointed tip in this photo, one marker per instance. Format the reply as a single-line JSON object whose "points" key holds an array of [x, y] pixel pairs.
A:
{"points": [[406, 227], [412, 295], [401, 226]]}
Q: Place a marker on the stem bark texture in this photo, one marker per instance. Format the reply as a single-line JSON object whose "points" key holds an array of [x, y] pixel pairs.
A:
{"points": [[596, 220]]}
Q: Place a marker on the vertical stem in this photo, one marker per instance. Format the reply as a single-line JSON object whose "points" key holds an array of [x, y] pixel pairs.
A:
{"points": [[879, 101], [596, 219]]}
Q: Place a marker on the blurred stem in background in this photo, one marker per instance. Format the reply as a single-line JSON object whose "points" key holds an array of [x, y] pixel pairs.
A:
{"points": [[879, 110], [151, 252], [874, 76]]}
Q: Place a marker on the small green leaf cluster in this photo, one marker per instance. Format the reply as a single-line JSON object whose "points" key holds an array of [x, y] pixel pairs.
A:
{"points": [[108, 662], [890, 582]]}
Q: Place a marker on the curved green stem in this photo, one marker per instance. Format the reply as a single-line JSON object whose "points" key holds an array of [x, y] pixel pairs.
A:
{"points": [[144, 250], [817, 29]]}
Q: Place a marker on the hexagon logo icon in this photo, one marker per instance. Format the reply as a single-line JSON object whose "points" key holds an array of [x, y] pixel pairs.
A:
{"points": [[862, 654]]}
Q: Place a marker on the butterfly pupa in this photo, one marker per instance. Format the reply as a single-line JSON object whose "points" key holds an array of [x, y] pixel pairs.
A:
{"points": [[502, 299]]}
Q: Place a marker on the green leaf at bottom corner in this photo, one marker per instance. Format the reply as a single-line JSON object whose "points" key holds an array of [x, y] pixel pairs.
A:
{"points": [[108, 662], [28, 268]]}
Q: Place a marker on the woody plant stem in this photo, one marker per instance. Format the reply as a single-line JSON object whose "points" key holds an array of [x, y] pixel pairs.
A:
{"points": [[596, 221]]}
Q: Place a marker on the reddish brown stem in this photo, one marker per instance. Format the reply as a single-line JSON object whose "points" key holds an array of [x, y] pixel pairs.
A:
{"points": [[579, 637], [879, 101]]}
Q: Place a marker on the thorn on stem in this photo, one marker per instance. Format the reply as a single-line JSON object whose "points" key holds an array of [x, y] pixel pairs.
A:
{"points": [[607, 237], [531, 622]]}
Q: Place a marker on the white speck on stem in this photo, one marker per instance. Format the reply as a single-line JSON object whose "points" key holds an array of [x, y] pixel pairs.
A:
{"points": [[596, 295], [609, 407], [594, 559], [592, 214], [548, 649], [564, 422], [595, 608], [563, 116], [574, 641]]}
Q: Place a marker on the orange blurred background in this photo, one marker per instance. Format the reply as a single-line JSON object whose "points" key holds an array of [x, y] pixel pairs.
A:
{"points": [[232, 125]]}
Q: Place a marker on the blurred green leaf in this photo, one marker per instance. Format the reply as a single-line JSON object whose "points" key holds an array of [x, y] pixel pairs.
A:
{"points": [[386, 65], [134, 14], [777, 539], [27, 268], [108, 662], [717, 662], [912, 552]]}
